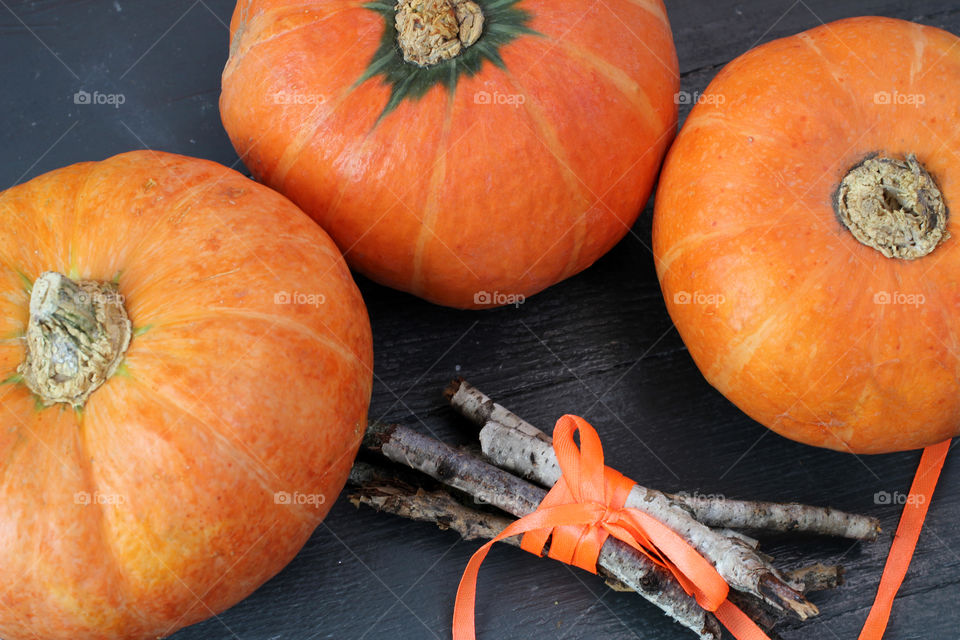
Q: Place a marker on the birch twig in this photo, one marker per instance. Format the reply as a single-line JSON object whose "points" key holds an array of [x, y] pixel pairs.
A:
{"points": [[381, 490], [505, 491], [512, 443], [416, 503], [723, 513], [740, 565]]}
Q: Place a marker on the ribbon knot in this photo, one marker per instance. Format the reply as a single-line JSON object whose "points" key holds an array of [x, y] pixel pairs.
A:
{"points": [[609, 517]]}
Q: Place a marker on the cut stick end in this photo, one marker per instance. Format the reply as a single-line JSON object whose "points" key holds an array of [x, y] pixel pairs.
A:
{"points": [[816, 577], [469, 401], [452, 388], [361, 473], [787, 597], [377, 434]]}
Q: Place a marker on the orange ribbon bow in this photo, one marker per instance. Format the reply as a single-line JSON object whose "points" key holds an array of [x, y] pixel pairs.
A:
{"points": [[585, 507], [580, 512]]}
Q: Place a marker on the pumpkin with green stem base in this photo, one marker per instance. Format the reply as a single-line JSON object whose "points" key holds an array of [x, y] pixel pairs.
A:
{"points": [[469, 152], [187, 366]]}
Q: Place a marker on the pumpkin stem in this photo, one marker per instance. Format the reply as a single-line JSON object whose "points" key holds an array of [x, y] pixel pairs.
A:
{"points": [[431, 31], [893, 206], [76, 338]]}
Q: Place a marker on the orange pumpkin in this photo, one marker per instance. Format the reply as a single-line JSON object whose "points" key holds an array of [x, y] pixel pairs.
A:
{"points": [[802, 236], [472, 152], [187, 367]]}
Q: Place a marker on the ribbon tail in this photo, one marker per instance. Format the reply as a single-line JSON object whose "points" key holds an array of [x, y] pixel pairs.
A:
{"points": [[548, 518], [463, 610], [738, 623], [692, 570], [905, 540]]}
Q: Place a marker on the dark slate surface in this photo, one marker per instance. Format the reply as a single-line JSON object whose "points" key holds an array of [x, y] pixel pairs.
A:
{"points": [[600, 344]]}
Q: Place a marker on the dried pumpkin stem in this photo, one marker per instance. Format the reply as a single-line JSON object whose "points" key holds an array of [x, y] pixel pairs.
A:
{"points": [[76, 337], [893, 206], [431, 31]]}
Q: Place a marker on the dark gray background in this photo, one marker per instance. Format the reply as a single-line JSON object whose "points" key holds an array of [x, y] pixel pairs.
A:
{"points": [[600, 344]]}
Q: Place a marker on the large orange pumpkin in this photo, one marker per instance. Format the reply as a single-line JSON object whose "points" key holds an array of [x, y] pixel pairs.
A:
{"points": [[472, 152], [187, 368], [803, 237]]}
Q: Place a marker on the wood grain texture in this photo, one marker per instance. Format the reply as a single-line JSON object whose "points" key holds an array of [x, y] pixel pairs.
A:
{"points": [[600, 345]]}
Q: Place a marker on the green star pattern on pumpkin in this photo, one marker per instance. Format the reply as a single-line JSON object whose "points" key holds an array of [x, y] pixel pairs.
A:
{"points": [[503, 23]]}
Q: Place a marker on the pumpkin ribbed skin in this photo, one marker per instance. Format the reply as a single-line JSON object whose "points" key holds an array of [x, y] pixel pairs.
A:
{"points": [[817, 336], [156, 505], [521, 175]]}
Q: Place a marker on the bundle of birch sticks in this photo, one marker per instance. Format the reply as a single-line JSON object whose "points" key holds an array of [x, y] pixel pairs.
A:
{"points": [[478, 495]]}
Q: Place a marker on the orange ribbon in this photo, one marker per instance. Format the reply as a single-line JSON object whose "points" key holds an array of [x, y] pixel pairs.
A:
{"points": [[585, 507], [582, 510], [905, 540]]}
